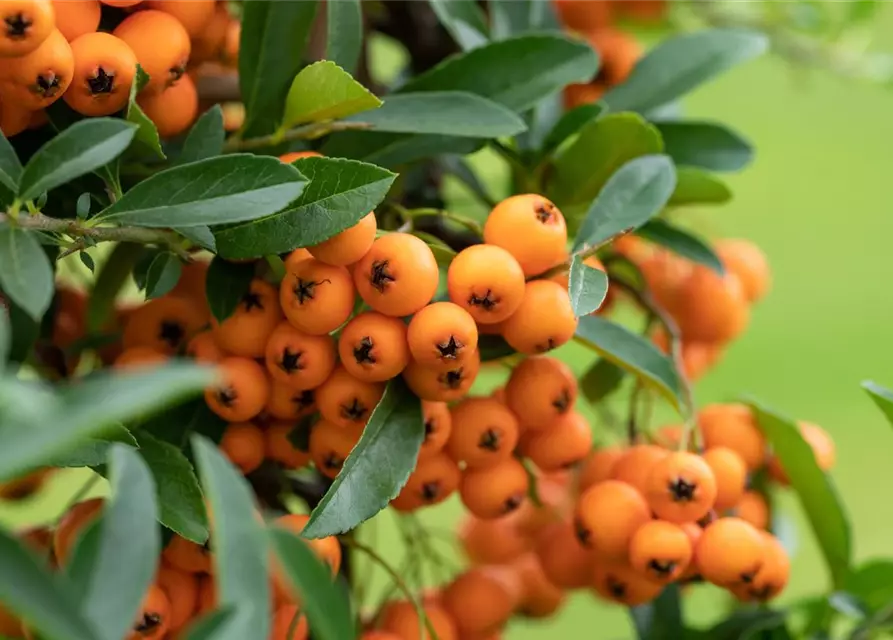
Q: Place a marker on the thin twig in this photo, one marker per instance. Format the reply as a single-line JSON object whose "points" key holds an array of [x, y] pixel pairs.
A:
{"points": [[632, 425], [585, 252], [305, 132]]}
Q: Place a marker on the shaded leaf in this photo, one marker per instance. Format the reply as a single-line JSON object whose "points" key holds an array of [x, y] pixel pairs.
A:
{"points": [[324, 91], [660, 619], [682, 243], [10, 167], [344, 33], [225, 286], [493, 347], [459, 167], [109, 281], [163, 274], [214, 625], [146, 139], [696, 186], [205, 138], [26, 276], [743, 623], [378, 466], [5, 337], [94, 452], [872, 583], [587, 287], [200, 235], [601, 380], [464, 20], [521, 16], [571, 122], [705, 144], [882, 397], [394, 149]]}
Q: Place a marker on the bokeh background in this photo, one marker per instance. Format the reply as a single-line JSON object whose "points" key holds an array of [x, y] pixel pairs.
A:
{"points": [[817, 199]]}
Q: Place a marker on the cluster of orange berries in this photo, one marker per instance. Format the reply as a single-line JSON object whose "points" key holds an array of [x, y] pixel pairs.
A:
{"points": [[52, 49]]}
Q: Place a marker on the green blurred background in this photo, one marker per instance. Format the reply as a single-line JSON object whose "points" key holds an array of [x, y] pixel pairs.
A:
{"points": [[817, 200]]}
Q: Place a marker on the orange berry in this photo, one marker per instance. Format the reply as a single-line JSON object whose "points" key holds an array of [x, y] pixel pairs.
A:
{"points": [[748, 262], [289, 624], [316, 297], [204, 348], [38, 79], [540, 390], [291, 156], [161, 45], [443, 385], [539, 597], [154, 619], [207, 44], [398, 275], [531, 228], [286, 403], [434, 480], [584, 16], [231, 43], [298, 360], [752, 508], [711, 308], [195, 15], [104, 71], [379, 635], [207, 596], [607, 516], [140, 358], [193, 284], [243, 443], [561, 445], [544, 320], [494, 491], [733, 426], [280, 448], [822, 449], [599, 466], [295, 257], [481, 600], [483, 433], [26, 24], [441, 334], [72, 525], [243, 391], [172, 110], [181, 589], [187, 556], [350, 245], [565, 562], [772, 577], [165, 324], [23, 487], [345, 401], [487, 282], [619, 53], [635, 464], [246, 332], [681, 487], [372, 347], [496, 541], [121, 4], [616, 581], [399, 617], [577, 94], [660, 550], [730, 552], [10, 625], [14, 118], [438, 425], [731, 476], [330, 445]]}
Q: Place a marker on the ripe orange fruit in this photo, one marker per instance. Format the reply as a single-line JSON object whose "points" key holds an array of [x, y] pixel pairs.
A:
{"points": [[72, 525], [822, 448], [599, 466], [398, 275], [316, 297], [187, 556], [104, 70], [772, 577], [539, 597], [121, 4], [481, 600], [730, 552], [577, 94], [330, 445], [748, 262], [195, 15], [278, 447], [731, 476], [207, 44], [441, 385], [635, 464], [172, 110], [372, 347], [165, 324], [161, 45], [616, 581], [291, 156], [540, 390], [379, 635], [441, 334], [752, 508], [438, 424], [13, 117], [565, 562], [619, 53], [203, 348], [494, 491], [140, 358], [207, 595], [10, 625], [531, 228], [286, 403], [607, 516], [154, 619], [38, 79], [181, 589], [246, 332], [295, 257], [681, 487], [350, 245], [544, 320], [345, 401], [289, 624], [23, 487], [26, 24], [560, 445], [733, 426], [660, 550], [487, 282], [483, 433], [584, 16], [434, 480], [244, 444], [492, 542], [399, 617], [243, 391], [298, 360], [711, 308]]}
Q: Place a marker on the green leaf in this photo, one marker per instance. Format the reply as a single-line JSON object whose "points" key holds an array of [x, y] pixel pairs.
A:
{"points": [[516, 73], [457, 166], [521, 16], [205, 139], [5, 337], [26, 276], [180, 500], [344, 33], [744, 623], [603, 146], [818, 496], [378, 466], [451, 113], [89, 405], [81, 148], [872, 583], [10, 167], [882, 397], [632, 352], [660, 619], [601, 380], [706, 145], [682, 243], [94, 452], [25, 331], [226, 284], [324, 91], [327, 609], [696, 186], [214, 625], [395, 149], [271, 52], [218, 190], [163, 274], [340, 193], [570, 123], [464, 20], [129, 546], [638, 191], [201, 236], [87, 260], [493, 347], [146, 138], [30, 589], [177, 424], [109, 281], [240, 544], [681, 63], [587, 287]]}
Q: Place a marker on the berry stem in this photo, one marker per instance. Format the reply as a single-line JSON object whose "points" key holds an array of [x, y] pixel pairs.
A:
{"points": [[305, 132], [410, 214], [585, 252]]}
